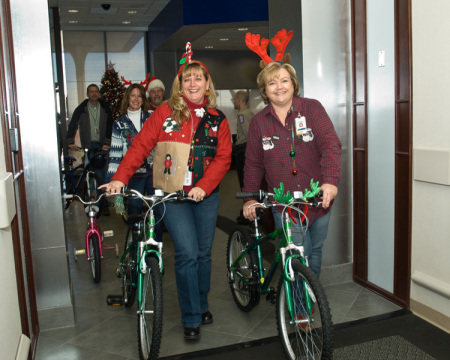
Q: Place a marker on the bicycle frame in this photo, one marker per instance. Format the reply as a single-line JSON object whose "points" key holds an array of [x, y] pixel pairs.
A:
{"points": [[84, 176], [143, 249], [286, 243], [93, 229]]}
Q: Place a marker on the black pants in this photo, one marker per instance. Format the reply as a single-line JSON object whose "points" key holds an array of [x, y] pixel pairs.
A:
{"points": [[240, 162]]}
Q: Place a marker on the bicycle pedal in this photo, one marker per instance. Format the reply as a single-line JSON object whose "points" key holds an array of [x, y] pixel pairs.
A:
{"points": [[114, 300], [80, 252], [108, 233], [119, 273]]}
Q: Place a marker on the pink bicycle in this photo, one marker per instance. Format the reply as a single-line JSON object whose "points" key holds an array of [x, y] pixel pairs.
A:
{"points": [[94, 237]]}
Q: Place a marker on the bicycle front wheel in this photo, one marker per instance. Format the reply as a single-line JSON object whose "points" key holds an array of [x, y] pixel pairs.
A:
{"points": [[243, 279], [309, 334], [90, 190], [95, 258], [150, 314]]}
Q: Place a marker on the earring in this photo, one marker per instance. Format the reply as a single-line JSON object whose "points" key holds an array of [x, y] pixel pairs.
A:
{"points": [[207, 92], [180, 94]]}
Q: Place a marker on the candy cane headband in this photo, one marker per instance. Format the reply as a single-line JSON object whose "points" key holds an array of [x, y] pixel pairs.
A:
{"points": [[187, 59]]}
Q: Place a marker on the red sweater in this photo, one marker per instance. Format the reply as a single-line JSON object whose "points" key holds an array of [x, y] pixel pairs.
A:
{"points": [[211, 150]]}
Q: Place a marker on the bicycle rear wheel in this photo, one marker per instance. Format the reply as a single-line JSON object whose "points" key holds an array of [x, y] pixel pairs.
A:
{"points": [[310, 334], [90, 191], [95, 258], [129, 272], [150, 314], [244, 288]]}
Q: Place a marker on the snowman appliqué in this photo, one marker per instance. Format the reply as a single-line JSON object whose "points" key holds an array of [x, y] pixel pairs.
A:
{"points": [[170, 125]]}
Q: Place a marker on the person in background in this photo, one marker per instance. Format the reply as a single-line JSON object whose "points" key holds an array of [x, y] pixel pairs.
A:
{"points": [[244, 117], [134, 113], [291, 141], [93, 119], [155, 93], [189, 130]]}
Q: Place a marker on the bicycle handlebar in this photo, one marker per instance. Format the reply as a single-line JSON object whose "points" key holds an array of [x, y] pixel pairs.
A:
{"points": [[263, 198], [71, 196]]}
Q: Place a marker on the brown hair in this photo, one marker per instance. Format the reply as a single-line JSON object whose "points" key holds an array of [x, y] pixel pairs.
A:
{"points": [[272, 71], [176, 101], [126, 98]]}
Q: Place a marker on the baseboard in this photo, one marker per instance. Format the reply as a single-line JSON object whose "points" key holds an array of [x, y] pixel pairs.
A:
{"points": [[432, 316]]}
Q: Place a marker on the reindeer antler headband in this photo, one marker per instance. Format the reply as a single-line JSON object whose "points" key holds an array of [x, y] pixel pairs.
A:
{"points": [[144, 83], [280, 41], [187, 59]]}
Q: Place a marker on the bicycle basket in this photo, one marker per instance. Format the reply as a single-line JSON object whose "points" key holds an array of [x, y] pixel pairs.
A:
{"points": [[98, 161]]}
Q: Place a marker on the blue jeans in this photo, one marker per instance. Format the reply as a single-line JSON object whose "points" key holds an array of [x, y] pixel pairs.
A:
{"points": [[192, 226], [145, 186], [312, 242]]}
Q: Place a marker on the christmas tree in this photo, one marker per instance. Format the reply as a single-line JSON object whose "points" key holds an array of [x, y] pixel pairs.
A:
{"points": [[112, 90]]}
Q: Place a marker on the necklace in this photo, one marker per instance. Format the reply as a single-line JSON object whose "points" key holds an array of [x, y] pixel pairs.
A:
{"points": [[292, 152]]}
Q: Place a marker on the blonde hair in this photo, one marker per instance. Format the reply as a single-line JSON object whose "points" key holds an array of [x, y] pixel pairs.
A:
{"points": [[176, 101], [271, 72], [126, 98]]}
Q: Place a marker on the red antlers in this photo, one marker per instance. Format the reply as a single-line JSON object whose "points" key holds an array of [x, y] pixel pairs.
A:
{"points": [[144, 83], [280, 41]]}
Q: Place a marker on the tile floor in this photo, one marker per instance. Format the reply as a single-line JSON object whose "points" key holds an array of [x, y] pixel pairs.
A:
{"points": [[104, 332]]}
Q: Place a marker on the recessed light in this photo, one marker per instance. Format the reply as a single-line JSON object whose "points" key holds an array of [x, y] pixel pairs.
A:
{"points": [[132, 12], [73, 11], [209, 47], [126, 22], [242, 29], [224, 39], [73, 21]]}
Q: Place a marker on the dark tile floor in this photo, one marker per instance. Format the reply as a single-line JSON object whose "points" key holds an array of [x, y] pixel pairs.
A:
{"points": [[104, 332]]}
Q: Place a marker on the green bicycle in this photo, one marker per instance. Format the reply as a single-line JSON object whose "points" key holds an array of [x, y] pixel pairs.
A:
{"points": [[303, 314], [141, 268]]}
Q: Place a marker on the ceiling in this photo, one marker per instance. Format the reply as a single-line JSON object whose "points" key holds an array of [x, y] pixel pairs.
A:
{"points": [[137, 15]]}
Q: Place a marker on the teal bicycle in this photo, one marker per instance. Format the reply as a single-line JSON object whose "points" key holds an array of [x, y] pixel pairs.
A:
{"points": [[302, 310], [141, 268]]}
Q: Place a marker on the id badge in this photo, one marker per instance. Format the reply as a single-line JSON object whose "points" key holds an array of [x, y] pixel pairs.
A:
{"points": [[187, 177], [300, 125]]}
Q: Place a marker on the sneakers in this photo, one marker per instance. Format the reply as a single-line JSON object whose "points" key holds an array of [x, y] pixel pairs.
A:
{"points": [[304, 322]]}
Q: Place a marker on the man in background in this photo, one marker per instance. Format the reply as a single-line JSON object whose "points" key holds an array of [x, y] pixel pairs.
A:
{"points": [[155, 93], [244, 117], [243, 121], [93, 119]]}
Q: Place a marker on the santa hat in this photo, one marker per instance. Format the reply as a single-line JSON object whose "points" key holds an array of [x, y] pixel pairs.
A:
{"points": [[155, 83]]}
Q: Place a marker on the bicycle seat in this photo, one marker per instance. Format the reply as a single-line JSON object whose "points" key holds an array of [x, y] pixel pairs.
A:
{"points": [[69, 160], [135, 218], [98, 161]]}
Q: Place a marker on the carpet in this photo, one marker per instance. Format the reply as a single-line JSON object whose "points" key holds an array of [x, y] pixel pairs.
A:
{"points": [[389, 348], [395, 336]]}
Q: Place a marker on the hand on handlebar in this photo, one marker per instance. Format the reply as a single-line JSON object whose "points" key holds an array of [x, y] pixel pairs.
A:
{"points": [[329, 193], [112, 187], [250, 213]]}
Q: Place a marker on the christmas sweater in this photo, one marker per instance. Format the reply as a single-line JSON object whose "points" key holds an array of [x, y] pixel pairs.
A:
{"points": [[123, 133], [185, 156]]}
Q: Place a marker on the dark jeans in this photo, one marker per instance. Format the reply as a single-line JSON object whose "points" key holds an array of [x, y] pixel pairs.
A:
{"points": [[191, 227]]}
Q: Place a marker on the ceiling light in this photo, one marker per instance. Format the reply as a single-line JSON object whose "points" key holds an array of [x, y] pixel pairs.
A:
{"points": [[209, 47], [73, 21], [224, 39], [126, 22], [242, 29], [73, 11], [132, 12]]}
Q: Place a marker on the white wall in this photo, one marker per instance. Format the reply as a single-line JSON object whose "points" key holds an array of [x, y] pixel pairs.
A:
{"points": [[430, 268]]}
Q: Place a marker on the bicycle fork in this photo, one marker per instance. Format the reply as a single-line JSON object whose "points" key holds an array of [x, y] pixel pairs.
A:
{"points": [[289, 273]]}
